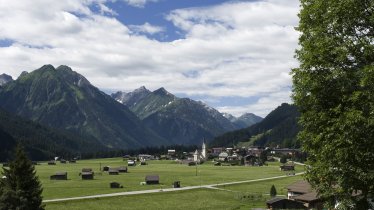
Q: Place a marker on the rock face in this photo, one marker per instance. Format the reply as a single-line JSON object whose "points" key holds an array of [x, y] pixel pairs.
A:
{"points": [[4, 79], [63, 99], [180, 120]]}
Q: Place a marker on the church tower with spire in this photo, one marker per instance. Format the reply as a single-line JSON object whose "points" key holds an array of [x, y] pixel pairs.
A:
{"points": [[203, 151]]}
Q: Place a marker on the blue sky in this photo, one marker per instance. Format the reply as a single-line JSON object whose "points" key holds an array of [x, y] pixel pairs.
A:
{"points": [[233, 55]]}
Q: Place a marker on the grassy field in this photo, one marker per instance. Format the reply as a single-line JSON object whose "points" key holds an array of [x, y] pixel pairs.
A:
{"points": [[243, 196], [169, 171]]}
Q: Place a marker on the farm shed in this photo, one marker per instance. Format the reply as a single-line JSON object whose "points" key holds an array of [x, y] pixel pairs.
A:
{"points": [[87, 175], [122, 169], [59, 176], [113, 171], [152, 179], [287, 167]]}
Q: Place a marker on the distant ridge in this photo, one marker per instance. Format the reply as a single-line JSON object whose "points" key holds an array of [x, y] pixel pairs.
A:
{"points": [[279, 127]]}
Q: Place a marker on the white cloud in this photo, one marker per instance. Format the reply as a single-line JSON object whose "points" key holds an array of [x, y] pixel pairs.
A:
{"points": [[234, 49], [146, 28], [138, 3]]}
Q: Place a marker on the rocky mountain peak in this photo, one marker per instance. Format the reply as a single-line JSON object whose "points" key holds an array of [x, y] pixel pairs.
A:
{"points": [[4, 78]]}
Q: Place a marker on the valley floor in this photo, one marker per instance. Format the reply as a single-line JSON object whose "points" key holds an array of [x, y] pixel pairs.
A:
{"points": [[203, 187]]}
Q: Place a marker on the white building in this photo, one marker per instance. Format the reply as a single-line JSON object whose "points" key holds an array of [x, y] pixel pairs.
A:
{"points": [[200, 156]]}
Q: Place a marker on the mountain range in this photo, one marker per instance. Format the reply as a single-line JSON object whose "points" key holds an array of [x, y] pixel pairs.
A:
{"points": [[63, 99], [180, 120], [65, 113], [279, 127]]}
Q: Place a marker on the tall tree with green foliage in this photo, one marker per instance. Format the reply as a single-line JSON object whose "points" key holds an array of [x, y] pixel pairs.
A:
{"points": [[334, 90], [273, 191], [20, 188]]}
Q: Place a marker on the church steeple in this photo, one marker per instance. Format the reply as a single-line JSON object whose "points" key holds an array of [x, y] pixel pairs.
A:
{"points": [[203, 150]]}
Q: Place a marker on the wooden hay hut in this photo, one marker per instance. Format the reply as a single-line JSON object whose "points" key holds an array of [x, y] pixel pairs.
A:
{"points": [[51, 162], [59, 176], [287, 167], [106, 168], [152, 179], [72, 161], [143, 163], [63, 161], [115, 185], [87, 175], [113, 171], [122, 169]]}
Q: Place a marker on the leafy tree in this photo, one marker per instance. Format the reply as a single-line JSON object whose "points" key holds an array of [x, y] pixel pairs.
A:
{"points": [[20, 188], [273, 191], [334, 91]]}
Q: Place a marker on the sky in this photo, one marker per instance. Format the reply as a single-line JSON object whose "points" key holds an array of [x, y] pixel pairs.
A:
{"points": [[234, 55]]}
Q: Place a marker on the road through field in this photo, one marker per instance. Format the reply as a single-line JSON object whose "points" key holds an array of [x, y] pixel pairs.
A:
{"points": [[210, 186]]}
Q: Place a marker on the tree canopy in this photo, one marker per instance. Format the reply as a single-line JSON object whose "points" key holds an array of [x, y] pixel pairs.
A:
{"points": [[334, 91], [20, 188]]}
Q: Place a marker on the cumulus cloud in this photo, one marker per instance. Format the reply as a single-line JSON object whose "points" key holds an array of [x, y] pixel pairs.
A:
{"points": [[242, 49], [146, 28], [138, 3]]}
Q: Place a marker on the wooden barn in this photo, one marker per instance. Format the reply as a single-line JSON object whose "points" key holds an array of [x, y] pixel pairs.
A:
{"points": [[106, 168], [287, 167], [72, 161], [59, 176], [152, 179], [122, 169], [87, 175], [113, 171], [63, 161]]}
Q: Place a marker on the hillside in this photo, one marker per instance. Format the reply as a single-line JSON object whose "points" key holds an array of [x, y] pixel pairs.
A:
{"points": [[41, 143], [63, 99], [279, 127], [180, 120]]}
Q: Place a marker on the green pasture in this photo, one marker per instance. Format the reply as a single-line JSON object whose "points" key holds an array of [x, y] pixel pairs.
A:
{"points": [[169, 171], [242, 196]]}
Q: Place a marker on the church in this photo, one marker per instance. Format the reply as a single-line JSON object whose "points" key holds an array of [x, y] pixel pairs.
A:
{"points": [[200, 156]]}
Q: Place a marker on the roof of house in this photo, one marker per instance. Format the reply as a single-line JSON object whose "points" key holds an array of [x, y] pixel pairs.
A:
{"points": [[307, 197], [87, 173], [300, 187]]}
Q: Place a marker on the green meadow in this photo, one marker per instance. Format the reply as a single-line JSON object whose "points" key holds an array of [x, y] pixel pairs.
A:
{"points": [[238, 196], [243, 196]]}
